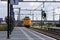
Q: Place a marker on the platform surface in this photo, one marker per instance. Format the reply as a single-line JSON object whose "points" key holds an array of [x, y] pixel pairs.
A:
{"points": [[22, 33]]}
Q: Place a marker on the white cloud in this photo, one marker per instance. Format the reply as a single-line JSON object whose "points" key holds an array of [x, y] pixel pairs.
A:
{"points": [[29, 0], [57, 11], [35, 5], [3, 9], [31, 4]]}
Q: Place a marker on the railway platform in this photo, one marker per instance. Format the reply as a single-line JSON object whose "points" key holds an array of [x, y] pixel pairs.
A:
{"points": [[22, 33]]}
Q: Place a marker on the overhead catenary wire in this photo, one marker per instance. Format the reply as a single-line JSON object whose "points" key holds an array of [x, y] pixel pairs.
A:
{"points": [[34, 10]]}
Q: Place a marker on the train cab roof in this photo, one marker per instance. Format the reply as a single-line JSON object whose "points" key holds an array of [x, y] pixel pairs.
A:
{"points": [[26, 18]]}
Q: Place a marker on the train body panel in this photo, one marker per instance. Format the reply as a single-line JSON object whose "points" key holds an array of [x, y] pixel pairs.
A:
{"points": [[27, 22]]}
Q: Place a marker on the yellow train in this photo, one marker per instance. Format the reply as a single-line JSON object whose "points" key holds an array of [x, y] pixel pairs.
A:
{"points": [[27, 22]]}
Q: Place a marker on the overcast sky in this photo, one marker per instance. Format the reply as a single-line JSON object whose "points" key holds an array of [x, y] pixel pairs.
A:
{"points": [[47, 7]]}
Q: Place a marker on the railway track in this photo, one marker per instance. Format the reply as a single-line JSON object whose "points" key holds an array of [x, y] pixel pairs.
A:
{"points": [[48, 33]]}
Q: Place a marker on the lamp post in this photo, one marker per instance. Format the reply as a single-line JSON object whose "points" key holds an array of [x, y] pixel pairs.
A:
{"points": [[9, 15], [8, 19]]}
